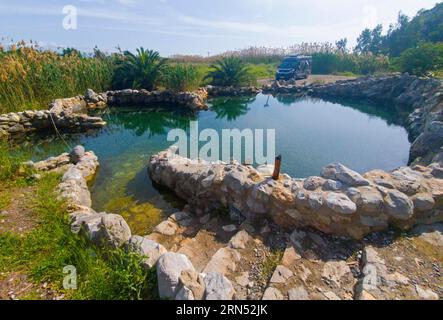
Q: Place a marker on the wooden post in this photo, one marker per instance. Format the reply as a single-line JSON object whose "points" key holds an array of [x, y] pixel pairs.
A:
{"points": [[277, 167]]}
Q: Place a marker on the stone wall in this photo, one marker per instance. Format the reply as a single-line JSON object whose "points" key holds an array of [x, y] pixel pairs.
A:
{"points": [[340, 201], [215, 91], [68, 115], [188, 101]]}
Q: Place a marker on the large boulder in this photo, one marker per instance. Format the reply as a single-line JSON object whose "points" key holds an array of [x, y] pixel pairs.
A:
{"points": [[150, 249], [103, 229], [169, 269], [218, 287], [76, 154]]}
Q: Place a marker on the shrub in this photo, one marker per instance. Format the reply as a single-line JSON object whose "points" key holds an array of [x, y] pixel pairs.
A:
{"points": [[181, 77], [342, 63], [422, 59], [230, 71], [138, 71]]}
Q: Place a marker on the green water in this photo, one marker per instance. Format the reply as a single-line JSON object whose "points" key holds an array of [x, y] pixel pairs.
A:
{"points": [[310, 133]]}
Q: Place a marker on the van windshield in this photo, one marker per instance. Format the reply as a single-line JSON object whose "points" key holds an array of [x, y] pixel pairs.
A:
{"points": [[289, 63]]}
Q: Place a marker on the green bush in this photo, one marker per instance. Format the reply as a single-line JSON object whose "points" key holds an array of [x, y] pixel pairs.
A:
{"points": [[138, 71], [342, 63], [230, 71], [181, 77], [425, 58]]}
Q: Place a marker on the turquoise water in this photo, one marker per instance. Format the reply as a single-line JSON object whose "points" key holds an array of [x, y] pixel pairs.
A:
{"points": [[310, 133]]}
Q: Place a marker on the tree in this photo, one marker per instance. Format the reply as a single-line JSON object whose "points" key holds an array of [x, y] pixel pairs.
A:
{"points": [[71, 52], [376, 40], [422, 59], [139, 71], [341, 45], [229, 71], [364, 42], [370, 41]]}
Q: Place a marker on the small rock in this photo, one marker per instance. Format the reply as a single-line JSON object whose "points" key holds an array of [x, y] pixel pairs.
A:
{"points": [[243, 279], [281, 274], [340, 203], [240, 240], [299, 293], [335, 270], [229, 228], [167, 228], [290, 256], [205, 219], [272, 294], [218, 287], [427, 294]]}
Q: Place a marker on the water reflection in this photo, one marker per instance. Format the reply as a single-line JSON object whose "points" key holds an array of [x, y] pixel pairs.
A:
{"points": [[231, 108], [154, 122]]}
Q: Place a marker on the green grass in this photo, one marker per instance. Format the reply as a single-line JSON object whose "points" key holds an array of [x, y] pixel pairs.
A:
{"points": [[182, 77], [269, 265], [43, 252], [263, 71]]}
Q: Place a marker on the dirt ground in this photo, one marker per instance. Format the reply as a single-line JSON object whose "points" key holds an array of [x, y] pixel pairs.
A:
{"points": [[19, 218]]}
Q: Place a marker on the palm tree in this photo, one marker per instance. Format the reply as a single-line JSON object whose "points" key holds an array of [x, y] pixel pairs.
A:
{"points": [[229, 71], [139, 71]]}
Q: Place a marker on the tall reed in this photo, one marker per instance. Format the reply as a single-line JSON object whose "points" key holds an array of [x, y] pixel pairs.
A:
{"points": [[30, 78]]}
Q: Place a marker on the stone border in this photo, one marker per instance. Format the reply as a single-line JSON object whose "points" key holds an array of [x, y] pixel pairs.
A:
{"points": [[70, 114], [67, 115], [177, 278], [340, 201]]}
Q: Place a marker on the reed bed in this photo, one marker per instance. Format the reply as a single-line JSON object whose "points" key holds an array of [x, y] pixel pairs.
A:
{"points": [[30, 78]]}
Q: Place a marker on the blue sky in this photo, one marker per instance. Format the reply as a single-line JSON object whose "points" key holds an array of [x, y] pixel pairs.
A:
{"points": [[197, 26]]}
